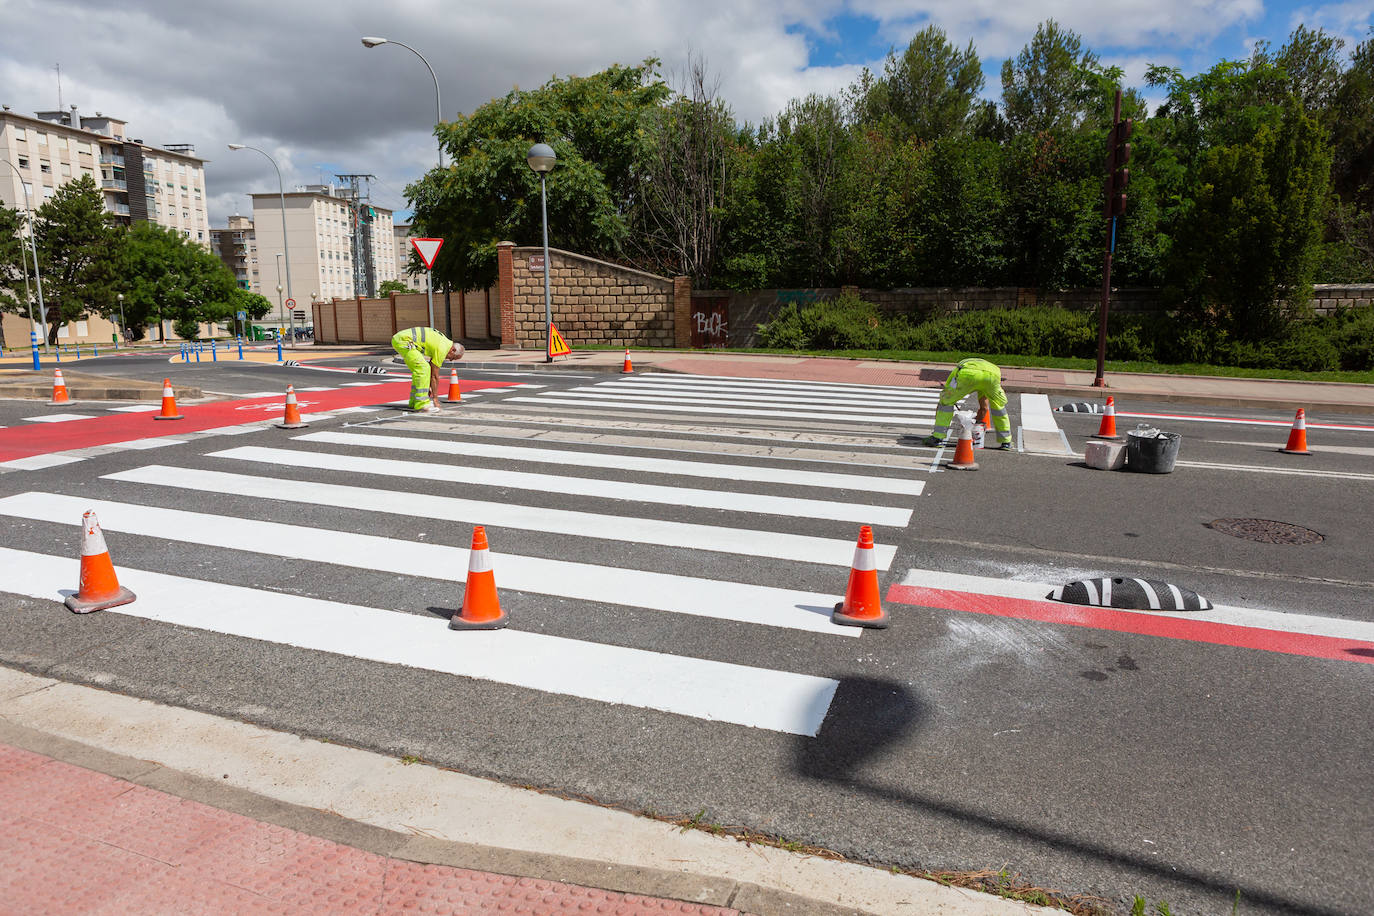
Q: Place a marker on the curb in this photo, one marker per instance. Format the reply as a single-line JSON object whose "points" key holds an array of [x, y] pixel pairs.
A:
{"points": [[1220, 400]]}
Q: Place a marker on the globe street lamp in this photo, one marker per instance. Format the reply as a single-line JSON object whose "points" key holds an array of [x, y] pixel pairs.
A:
{"points": [[371, 41], [541, 159], [33, 247], [123, 328], [281, 193]]}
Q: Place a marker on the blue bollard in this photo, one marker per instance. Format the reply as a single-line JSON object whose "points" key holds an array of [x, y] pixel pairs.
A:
{"points": [[33, 339], [240, 340], [214, 351], [58, 350], [278, 344], [197, 351], [95, 351]]}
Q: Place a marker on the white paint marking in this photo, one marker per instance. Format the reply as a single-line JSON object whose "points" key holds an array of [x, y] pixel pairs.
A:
{"points": [[39, 462], [58, 418], [149, 443], [616, 405], [917, 397], [717, 380], [363, 384], [700, 688], [1335, 627], [136, 408], [1150, 594], [323, 388], [1036, 413], [1287, 472], [628, 463], [1176, 594], [260, 394], [735, 541], [1323, 449], [727, 404], [1286, 424], [1092, 591], [582, 486], [1106, 592], [757, 604]]}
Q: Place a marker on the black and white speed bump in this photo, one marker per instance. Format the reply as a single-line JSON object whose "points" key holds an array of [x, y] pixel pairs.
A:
{"points": [[1130, 594]]}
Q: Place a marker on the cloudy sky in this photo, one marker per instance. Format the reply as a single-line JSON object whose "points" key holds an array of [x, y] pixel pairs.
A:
{"points": [[292, 77]]}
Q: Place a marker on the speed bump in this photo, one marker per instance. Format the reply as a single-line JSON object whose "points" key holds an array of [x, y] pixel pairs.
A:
{"points": [[1130, 594]]}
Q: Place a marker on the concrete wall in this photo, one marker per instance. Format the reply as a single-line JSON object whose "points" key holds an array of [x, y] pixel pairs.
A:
{"points": [[374, 321], [593, 302]]}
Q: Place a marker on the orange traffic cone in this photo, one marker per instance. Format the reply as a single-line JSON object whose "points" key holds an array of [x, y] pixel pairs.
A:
{"points": [[1297, 438], [982, 417], [59, 388], [1107, 429], [169, 403], [963, 452], [481, 606], [98, 587], [862, 605], [455, 391], [626, 367], [292, 418]]}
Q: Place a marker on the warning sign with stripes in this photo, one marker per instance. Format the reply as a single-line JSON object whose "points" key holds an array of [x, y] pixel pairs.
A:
{"points": [[557, 345]]}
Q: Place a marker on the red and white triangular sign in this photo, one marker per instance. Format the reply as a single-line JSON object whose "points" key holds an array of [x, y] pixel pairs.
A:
{"points": [[428, 250]]}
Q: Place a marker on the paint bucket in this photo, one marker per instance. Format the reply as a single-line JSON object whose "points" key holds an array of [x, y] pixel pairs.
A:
{"points": [[978, 432], [1151, 451]]}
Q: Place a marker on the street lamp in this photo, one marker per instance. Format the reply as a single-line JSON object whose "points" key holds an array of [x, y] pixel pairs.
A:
{"points": [[370, 41], [541, 159], [33, 247], [281, 192], [123, 328]]}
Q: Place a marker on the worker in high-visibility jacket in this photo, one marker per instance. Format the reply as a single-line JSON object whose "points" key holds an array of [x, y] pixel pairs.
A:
{"points": [[424, 351], [973, 376]]}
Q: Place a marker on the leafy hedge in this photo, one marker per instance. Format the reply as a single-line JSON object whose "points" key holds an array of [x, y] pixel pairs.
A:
{"points": [[1341, 341]]}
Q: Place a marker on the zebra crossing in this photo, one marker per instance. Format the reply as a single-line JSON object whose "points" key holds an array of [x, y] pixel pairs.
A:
{"points": [[661, 525]]}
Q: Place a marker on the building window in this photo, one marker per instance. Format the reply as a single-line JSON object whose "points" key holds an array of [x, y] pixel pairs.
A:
{"points": [[20, 134], [23, 162], [61, 143], [45, 167], [66, 170], [41, 138]]}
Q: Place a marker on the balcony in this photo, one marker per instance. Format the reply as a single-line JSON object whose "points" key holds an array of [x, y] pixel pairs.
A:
{"points": [[112, 159], [114, 184], [117, 209]]}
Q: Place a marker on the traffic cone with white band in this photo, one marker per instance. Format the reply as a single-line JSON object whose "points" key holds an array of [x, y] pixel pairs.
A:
{"points": [[1107, 428], [169, 403], [98, 587], [481, 606], [59, 388], [455, 390], [626, 367], [862, 605], [292, 418], [1297, 437], [963, 452]]}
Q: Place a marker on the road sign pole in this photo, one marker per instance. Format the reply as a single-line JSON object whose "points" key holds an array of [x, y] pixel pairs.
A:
{"points": [[429, 293], [428, 252]]}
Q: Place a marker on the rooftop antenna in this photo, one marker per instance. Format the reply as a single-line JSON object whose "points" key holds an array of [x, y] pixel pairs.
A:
{"points": [[58, 68]]}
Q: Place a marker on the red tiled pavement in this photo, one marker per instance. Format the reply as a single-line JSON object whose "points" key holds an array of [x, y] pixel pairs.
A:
{"points": [[76, 841]]}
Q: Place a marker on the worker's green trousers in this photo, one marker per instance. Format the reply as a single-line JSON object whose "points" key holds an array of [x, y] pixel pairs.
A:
{"points": [[977, 377], [419, 377]]}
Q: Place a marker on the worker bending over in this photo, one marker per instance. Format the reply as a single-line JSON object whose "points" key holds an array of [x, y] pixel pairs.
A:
{"points": [[973, 376], [424, 351]]}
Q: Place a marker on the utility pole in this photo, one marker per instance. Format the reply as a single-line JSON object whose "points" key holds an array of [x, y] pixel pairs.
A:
{"points": [[360, 207], [1118, 155]]}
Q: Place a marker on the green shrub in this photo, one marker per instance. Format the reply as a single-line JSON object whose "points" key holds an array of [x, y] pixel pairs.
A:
{"points": [[1353, 337], [1025, 332], [187, 328], [1307, 348], [846, 323]]}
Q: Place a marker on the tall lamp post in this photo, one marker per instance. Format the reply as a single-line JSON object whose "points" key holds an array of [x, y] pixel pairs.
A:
{"points": [[371, 41], [541, 159], [281, 193], [33, 247], [123, 328]]}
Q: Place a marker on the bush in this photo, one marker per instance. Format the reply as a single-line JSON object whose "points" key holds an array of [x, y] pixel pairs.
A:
{"points": [[1023, 332], [1307, 349], [846, 323], [187, 328]]}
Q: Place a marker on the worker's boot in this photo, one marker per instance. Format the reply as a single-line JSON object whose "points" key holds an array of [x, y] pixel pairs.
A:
{"points": [[932, 442]]}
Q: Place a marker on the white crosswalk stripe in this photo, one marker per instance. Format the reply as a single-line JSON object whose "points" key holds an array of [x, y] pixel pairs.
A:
{"points": [[661, 530]]}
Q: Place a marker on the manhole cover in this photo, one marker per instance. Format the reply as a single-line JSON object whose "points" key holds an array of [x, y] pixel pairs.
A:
{"points": [[1265, 531]]}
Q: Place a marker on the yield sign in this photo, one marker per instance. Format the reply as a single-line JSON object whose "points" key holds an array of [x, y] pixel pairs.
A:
{"points": [[428, 250]]}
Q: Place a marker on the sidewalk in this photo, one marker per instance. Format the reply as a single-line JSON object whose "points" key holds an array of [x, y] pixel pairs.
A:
{"points": [[111, 804]]}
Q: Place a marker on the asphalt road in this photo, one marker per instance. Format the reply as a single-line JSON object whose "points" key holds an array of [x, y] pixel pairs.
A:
{"points": [[1083, 759]]}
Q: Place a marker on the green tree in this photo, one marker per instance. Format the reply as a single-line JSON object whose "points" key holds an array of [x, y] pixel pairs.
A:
{"points": [[1250, 239], [256, 306], [877, 238], [1050, 84], [15, 272], [596, 125], [393, 286], [928, 92], [78, 250], [963, 216], [165, 276]]}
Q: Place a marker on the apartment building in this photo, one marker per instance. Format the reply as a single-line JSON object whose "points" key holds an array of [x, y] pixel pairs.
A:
{"points": [[237, 248], [139, 182], [339, 246]]}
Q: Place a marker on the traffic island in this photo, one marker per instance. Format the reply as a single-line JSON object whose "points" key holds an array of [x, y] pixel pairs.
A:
{"points": [[82, 386]]}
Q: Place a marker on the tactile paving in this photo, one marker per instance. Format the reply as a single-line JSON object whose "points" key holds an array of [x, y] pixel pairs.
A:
{"points": [[76, 841]]}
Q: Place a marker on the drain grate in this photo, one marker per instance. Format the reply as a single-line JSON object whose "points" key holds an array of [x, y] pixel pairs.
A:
{"points": [[1266, 531]]}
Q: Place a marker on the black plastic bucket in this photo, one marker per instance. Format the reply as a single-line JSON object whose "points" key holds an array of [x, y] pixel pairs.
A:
{"points": [[1152, 454]]}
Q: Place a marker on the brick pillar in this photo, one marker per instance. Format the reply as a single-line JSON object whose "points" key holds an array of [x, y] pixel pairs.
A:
{"points": [[505, 283], [682, 312]]}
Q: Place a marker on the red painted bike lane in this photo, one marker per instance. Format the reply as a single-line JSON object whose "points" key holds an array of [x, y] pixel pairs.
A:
{"points": [[38, 438]]}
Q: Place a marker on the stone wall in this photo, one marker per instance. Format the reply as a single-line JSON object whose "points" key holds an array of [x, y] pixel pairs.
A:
{"points": [[1328, 298], [593, 302]]}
